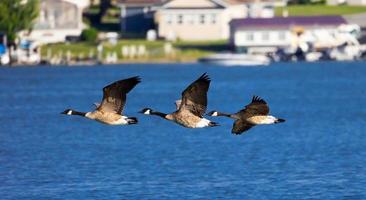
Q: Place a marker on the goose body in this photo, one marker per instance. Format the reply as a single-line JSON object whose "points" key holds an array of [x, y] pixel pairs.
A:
{"points": [[189, 120], [191, 108], [109, 111], [255, 113]]}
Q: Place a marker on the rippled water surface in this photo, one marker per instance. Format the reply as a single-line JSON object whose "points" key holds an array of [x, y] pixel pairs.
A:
{"points": [[319, 153]]}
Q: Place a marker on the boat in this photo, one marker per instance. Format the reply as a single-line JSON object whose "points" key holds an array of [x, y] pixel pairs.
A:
{"points": [[236, 59], [28, 52], [4, 53]]}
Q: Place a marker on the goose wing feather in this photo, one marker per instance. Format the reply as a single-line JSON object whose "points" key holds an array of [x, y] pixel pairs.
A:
{"points": [[114, 95], [194, 97], [240, 126], [257, 107]]}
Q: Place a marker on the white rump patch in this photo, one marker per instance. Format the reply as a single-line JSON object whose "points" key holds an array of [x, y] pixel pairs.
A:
{"points": [[70, 112], [268, 120], [147, 112], [215, 114], [120, 121], [203, 123]]}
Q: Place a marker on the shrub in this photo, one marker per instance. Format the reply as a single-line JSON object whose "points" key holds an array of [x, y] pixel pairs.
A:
{"points": [[89, 35]]}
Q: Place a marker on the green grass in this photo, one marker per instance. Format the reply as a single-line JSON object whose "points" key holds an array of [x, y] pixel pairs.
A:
{"points": [[184, 51], [309, 10]]}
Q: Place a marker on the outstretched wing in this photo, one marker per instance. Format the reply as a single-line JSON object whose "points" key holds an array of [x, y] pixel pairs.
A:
{"points": [[194, 97], [257, 107], [114, 95], [240, 126]]}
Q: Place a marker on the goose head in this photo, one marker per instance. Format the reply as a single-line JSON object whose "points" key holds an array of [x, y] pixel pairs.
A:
{"points": [[213, 113], [67, 112], [146, 111]]}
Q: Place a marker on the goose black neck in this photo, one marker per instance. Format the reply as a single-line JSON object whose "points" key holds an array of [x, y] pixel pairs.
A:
{"points": [[223, 114], [78, 113], [160, 114]]}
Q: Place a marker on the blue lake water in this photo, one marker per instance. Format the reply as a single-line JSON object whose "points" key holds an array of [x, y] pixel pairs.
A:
{"points": [[319, 153]]}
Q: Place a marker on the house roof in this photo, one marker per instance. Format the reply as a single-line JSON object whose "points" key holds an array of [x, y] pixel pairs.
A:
{"points": [[159, 2], [79, 3], [288, 21], [234, 2], [140, 2]]}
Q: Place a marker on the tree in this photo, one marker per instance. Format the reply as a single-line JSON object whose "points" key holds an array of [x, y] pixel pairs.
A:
{"points": [[103, 7], [17, 15]]}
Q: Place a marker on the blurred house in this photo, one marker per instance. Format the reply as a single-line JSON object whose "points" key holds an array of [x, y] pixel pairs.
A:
{"points": [[263, 35], [263, 8], [176, 19], [198, 19], [359, 19], [348, 2], [57, 20], [137, 16]]}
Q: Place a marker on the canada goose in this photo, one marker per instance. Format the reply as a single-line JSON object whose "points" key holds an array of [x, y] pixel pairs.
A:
{"points": [[253, 114], [109, 111], [191, 108]]}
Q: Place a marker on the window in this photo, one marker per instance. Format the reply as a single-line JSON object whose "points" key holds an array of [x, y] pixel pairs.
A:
{"points": [[213, 18], [265, 36], [250, 36], [282, 35], [147, 12], [169, 19], [202, 19], [180, 19], [189, 19]]}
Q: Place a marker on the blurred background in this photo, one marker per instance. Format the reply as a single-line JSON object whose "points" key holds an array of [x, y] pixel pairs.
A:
{"points": [[230, 32], [305, 58]]}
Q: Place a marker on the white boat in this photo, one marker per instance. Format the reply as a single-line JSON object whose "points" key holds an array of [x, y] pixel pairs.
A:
{"points": [[4, 53], [4, 58], [28, 52], [229, 59]]}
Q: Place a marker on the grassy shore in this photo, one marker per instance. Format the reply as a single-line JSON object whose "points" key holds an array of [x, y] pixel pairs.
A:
{"points": [[182, 51], [309, 10]]}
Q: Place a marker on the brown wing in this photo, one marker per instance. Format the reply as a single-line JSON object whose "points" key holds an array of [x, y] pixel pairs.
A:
{"points": [[194, 97], [240, 126], [257, 107], [114, 95]]}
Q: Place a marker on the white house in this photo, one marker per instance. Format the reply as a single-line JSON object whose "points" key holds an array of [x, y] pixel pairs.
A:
{"points": [[198, 19], [261, 35], [57, 20], [263, 8], [348, 2]]}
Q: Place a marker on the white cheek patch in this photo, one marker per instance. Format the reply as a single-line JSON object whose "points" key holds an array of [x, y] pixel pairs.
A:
{"points": [[147, 112], [215, 114], [69, 112]]}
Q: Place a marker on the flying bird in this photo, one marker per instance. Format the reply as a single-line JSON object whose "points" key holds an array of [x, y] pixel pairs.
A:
{"points": [[253, 114], [109, 111], [192, 106]]}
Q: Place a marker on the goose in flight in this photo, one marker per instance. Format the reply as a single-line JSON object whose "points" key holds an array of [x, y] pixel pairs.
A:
{"points": [[191, 108], [253, 114], [109, 111]]}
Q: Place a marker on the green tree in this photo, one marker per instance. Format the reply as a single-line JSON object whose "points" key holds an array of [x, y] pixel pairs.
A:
{"points": [[103, 7], [89, 35], [17, 15]]}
